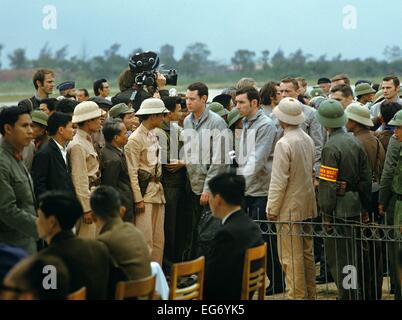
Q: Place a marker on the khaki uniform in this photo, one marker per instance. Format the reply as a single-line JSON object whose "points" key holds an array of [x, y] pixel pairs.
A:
{"points": [[291, 198], [142, 153], [85, 174]]}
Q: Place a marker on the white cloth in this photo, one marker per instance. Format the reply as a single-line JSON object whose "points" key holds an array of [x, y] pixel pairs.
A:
{"points": [[161, 284], [63, 151]]}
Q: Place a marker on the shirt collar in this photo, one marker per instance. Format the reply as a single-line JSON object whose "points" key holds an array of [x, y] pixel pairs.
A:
{"points": [[59, 145], [228, 215], [84, 135], [17, 155], [203, 116]]}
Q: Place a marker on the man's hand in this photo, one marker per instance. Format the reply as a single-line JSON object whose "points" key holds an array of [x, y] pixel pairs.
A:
{"points": [[160, 81], [175, 166], [204, 198], [88, 217], [381, 210], [365, 217], [140, 207], [272, 217], [327, 225]]}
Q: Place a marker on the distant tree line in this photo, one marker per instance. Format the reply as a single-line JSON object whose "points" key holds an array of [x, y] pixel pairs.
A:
{"points": [[195, 62]]}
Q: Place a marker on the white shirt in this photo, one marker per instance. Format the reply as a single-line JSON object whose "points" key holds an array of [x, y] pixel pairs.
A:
{"points": [[63, 151]]}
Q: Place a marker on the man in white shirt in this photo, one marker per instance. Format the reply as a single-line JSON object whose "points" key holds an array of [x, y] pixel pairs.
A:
{"points": [[50, 168]]}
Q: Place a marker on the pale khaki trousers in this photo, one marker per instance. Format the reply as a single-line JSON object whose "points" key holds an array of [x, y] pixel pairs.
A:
{"points": [[151, 223], [295, 250]]}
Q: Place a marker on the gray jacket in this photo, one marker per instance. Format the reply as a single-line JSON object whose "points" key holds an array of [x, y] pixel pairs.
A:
{"points": [[253, 159], [201, 163], [17, 202]]}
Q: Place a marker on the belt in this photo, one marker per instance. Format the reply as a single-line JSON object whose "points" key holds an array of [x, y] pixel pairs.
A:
{"points": [[155, 179]]}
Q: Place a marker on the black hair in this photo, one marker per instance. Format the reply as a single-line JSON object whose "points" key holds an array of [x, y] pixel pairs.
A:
{"points": [[57, 120], [105, 202], [30, 277], [98, 84], [111, 128], [66, 106], [51, 103], [63, 205], [252, 93], [10, 115], [229, 186], [394, 79], [171, 102], [388, 110], [200, 87], [267, 92], [345, 89], [223, 99], [86, 93], [323, 80]]}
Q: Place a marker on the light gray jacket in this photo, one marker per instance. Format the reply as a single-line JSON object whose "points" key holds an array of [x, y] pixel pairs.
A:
{"points": [[204, 159]]}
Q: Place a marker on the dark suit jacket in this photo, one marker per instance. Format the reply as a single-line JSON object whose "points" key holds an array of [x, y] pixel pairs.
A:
{"points": [[224, 265], [127, 247], [114, 173], [87, 261], [49, 171]]}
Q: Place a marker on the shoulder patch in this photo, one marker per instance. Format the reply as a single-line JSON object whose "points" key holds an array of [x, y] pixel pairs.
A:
{"points": [[328, 173]]}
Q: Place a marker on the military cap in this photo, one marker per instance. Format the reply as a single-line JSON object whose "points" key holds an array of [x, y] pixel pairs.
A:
{"points": [[339, 77], [119, 109], [86, 110], [331, 114], [316, 92], [66, 85], [356, 112], [101, 102], [39, 117], [323, 80], [218, 109], [233, 117], [152, 106], [378, 97], [362, 89], [397, 119], [289, 110]]}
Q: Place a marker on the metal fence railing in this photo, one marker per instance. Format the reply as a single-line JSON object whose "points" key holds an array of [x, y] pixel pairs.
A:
{"points": [[345, 260]]}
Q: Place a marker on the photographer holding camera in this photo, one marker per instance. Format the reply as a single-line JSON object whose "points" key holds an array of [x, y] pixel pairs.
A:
{"points": [[142, 80]]}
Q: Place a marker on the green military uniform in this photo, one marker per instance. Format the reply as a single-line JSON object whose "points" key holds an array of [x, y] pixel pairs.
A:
{"points": [[343, 193], [396, 198], [17, 201], [176, 186]]}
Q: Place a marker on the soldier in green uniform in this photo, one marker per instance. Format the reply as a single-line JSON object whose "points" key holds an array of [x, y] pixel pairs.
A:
{"points": [[344, 194], [397, 190]]}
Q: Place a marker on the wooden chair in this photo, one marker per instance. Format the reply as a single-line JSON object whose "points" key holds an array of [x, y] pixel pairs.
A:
{"points": [[80, 294], [253, 281], [183, 269], [136, 288]]}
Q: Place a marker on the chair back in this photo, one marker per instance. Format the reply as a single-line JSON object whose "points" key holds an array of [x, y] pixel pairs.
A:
{"points": [[185, 269], [136, 289], [253, 281]]}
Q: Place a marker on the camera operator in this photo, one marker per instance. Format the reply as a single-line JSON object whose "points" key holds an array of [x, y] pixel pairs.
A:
{"points": [[128, 88]]}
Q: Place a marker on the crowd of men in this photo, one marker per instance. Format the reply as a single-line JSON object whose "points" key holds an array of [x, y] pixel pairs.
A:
{"points": [[101, 186]]}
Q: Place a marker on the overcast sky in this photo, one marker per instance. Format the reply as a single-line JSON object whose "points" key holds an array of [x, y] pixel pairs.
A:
{"points": [[316, 26]]}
